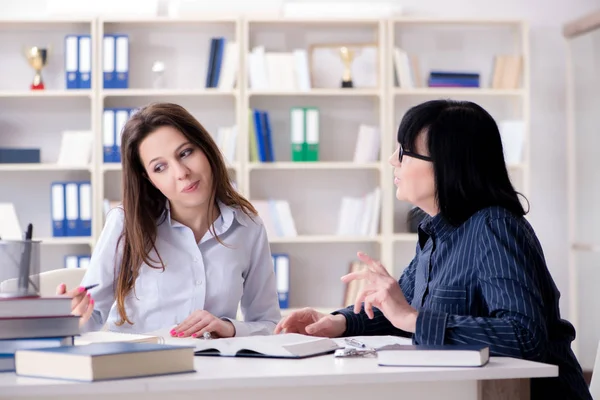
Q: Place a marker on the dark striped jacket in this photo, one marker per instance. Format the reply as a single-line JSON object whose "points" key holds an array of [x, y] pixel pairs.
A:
{"points": [[486, 281]]}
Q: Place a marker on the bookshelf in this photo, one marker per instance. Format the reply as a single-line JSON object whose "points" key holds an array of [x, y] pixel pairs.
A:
{"points": [[318, 257]]}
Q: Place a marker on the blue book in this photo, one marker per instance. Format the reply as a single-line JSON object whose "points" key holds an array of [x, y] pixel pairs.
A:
{"points": [[104, 361], [434, 356]]}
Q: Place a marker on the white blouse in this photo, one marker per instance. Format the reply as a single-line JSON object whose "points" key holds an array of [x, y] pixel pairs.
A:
{"points": [[197, 276]]}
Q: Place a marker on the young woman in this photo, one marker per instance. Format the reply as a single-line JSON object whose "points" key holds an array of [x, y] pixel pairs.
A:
{"points": [[185, 248], [479, 274]]}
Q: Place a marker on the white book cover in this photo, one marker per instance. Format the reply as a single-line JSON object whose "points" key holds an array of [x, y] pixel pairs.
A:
{"points": [[76, 148]]}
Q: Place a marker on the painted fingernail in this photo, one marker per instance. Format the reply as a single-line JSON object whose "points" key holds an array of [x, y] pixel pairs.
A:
{"points": [[194, 335], [181, 334], [92, 301], [173, 332], [81, 289], [89, 295]]}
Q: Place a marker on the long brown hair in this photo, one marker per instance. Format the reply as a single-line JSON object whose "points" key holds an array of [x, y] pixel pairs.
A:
{"points": [[145, 205]]}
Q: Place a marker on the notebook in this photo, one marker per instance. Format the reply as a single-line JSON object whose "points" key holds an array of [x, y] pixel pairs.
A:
{"points": [[102, 361], [287, 345], [435, 356], [109, 336]]}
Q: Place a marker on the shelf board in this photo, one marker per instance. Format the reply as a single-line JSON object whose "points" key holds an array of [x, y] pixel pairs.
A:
{"points": [[46, 93], [165, 92], [65, 241], [458, 92], [206, 18], [278, 19], [311, 165], [40, 167], [325, 239], [405, 237], [316, 92]]}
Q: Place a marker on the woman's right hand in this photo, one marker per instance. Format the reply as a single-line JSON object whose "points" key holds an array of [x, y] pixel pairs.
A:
{"points": [[308, 321], [82, 303]]}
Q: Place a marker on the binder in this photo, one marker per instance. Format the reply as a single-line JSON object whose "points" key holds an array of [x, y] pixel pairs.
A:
{"points": [[83, 261], [211, 61], [282, 274], [297, 132], [72, 207], [72, 61], [260, 136], [84, 227], [122, 61], [121, 117], [108, 135], [71, 262], [312, 134], [218, 62], [85, 62], [268, 138], [108, 62], [57, 204]]}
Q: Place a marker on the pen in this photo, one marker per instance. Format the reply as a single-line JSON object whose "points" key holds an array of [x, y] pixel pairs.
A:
{"points": [[91, 286], [355, 343]]}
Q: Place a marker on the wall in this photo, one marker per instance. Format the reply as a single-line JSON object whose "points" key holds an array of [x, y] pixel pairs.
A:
{"points": [[548, 163]]}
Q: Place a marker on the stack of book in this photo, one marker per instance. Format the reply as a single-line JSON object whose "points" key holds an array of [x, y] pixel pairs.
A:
{"points": [[34, 322]]}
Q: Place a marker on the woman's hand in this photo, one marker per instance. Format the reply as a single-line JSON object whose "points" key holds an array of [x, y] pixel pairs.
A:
{"points": [[311, 322], [82, 303], [201, 321], [382, 291]]}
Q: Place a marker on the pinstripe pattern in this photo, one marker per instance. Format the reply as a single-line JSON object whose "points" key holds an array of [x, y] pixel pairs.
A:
{"points": [[486, 282]]}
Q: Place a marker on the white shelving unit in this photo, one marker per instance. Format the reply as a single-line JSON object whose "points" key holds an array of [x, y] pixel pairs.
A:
{"points": [[36, 119], [313, 189], [434, 42]]}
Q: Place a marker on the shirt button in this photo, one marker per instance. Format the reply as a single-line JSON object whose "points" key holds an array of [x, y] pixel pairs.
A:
{"points": [[198, 282], [195, 259]]}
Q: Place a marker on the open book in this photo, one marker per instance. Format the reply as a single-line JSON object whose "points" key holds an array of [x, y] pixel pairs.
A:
{"points": [[110, 337], [287, 345]]}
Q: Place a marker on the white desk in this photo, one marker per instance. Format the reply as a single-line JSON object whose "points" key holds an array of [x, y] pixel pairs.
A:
{"points": [[312, 378]]}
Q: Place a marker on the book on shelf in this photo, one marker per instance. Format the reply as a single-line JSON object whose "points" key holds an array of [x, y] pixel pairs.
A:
{"points": [[277, 217], [406, 69], [287, 345], [104, 361], [260, 137], [226, 140], [460, 79], [354, 287], [223, 61], [76, 148], [367, 144], [359, 216], [435, 356], [507, 71]]}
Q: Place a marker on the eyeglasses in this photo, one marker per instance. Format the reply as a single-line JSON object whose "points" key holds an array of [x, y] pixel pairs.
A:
{"points": [[402, 153]]}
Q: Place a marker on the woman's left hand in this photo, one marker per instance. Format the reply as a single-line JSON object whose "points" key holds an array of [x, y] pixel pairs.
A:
{"points": [[201, 321], [382, 291]]}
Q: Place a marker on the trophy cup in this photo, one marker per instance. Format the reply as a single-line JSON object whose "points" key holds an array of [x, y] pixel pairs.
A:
{"points": [[347, 56], [37, 58]]}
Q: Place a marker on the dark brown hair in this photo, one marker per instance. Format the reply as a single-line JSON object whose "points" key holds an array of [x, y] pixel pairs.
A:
{"points": [[144, 205]]}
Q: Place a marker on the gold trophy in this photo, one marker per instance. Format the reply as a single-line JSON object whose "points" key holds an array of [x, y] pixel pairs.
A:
{"points": [[37, 58], [347, 56]]}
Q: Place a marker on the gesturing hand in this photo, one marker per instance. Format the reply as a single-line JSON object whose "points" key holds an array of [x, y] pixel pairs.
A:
{"points": [[382, 291], [308, 321], [201, 321]]}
